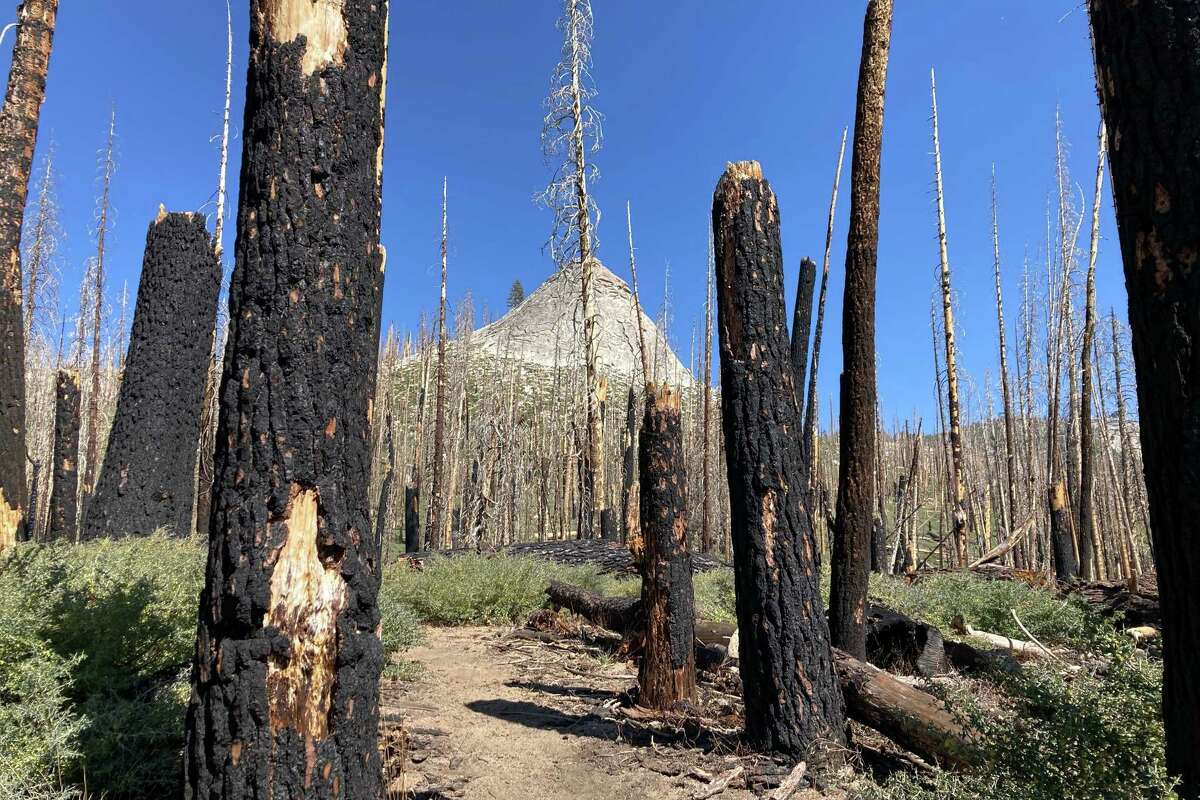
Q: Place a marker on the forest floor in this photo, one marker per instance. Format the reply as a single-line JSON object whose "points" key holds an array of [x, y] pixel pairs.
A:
{"points": [[496, 716]]}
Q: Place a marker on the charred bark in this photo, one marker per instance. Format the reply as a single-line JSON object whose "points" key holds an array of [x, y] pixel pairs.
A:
{"points": [[285, 686], [18, 137], [1066, 564], [148, 478], [387, 488], [787, 676], [1148, 73], [851, 559], [412, 518], [631, 531], [667, 675], [802, 326], [64, 511]]}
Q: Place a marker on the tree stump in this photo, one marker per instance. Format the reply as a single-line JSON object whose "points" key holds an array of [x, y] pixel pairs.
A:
{"points": [[148, 478], [667, 675], [790, 691]]}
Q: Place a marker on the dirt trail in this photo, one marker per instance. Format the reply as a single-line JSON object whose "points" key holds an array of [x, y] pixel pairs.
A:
{"points": [[499, 719]]}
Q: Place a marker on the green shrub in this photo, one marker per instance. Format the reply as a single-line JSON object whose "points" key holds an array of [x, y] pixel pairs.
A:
{"points": [[40, 729], [1078, 737], [988, 605], [478, 590], [123, 612]]}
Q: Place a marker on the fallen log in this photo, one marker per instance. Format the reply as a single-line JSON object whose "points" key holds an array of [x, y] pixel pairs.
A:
{"points": [[620, 614], [913, 718], [910, 717], [1002, 549], [1017, 647]]}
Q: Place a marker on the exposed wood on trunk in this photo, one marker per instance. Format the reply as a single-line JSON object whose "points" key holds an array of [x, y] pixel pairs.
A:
{"points": [[284, 699], [667, 675], [18, 137], [64, 510], [787, 678], [706, 525], [851, 561], [147, 481]]}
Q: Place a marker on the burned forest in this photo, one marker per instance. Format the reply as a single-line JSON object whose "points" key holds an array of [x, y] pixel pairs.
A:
{"points": [[448, 486]]}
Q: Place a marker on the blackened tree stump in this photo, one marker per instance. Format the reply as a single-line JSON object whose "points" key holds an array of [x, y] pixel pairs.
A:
{"points": [[148, 479], [667, 675], [64, 494], [285, 689], [791, 695]]}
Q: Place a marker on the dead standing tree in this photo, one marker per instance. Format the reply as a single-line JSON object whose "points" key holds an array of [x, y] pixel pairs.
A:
{"points": [[571, 123], [18, 137], [64, 510], [1010, 443], [856, 469], [433, 536], [667, 675], [791, 695], [96, 296], [1148, 74], [285, 684], [957, 480], [1091, 562], [148, 477]]}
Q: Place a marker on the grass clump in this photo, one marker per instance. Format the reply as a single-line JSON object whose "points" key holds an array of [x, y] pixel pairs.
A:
{"points": [[988, 606], [479, 590], [715, 596]]}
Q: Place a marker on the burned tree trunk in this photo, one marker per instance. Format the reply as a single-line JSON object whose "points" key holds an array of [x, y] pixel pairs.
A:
{"points": [[1148, 72], [788, 683], [285, 686], [148, 479], [1066, 564], [18, 136], [802, 326], [387, 488], [856, 466], [631, 531], [667, 675], [63, 517]]}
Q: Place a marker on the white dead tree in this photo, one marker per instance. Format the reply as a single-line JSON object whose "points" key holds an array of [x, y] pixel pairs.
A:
{"points": [[572, 128], [219, 228]]}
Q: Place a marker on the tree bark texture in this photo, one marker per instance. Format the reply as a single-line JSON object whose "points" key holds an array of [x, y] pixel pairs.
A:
{"points": [[631, 530], [790, 693], [1148, 73], [64, 495], [667, 675], [1066, 564], [802, 326], [18, 137], [285, 688], [148, 479], [851, 558]]}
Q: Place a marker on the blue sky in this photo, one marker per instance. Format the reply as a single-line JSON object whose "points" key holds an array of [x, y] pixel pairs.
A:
{"points": [[685, 87]]}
